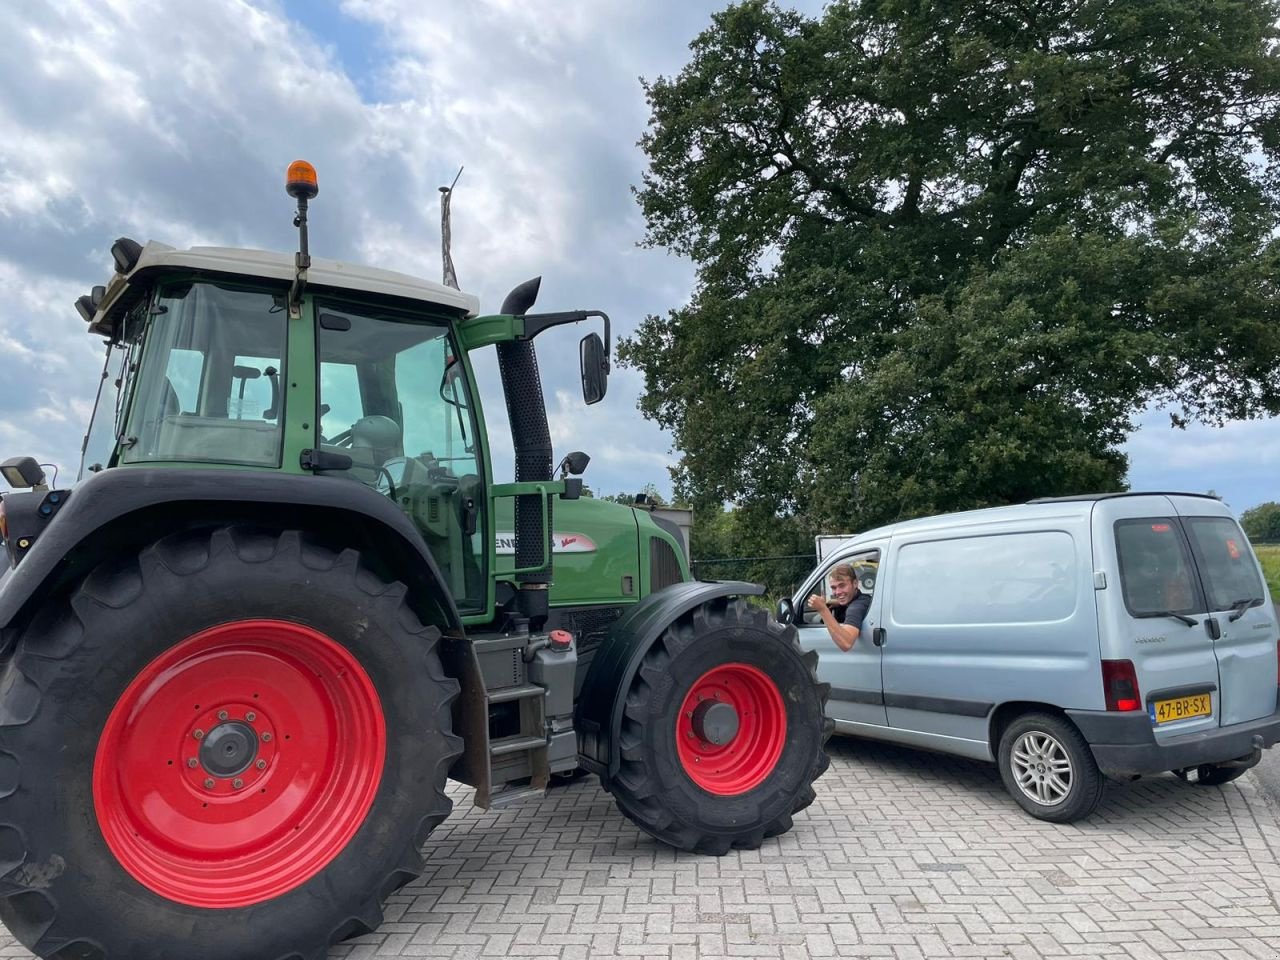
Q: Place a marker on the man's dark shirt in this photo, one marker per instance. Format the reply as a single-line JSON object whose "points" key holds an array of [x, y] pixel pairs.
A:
{"points": [[854, 612]]}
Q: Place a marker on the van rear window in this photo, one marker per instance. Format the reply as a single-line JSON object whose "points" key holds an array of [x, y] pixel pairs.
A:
{"points": [[1155, 568], [1225, 560]]}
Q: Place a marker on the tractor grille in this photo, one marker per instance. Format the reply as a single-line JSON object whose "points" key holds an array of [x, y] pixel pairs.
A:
{"points": [[664, 568]]}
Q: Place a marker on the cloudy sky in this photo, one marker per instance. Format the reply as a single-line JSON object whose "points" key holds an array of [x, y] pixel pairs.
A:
{"points": [[175, 120]]}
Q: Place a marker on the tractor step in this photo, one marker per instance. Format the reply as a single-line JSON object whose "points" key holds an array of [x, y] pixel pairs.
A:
{"points": [[514, 795], [522, 692], [505, 745]]}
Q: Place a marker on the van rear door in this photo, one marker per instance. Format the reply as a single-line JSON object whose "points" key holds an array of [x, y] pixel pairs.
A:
{"points": [[1242, 615], [1156, 617]]}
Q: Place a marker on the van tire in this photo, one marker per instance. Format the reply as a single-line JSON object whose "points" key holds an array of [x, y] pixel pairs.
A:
{"points": [[1059, 742]]}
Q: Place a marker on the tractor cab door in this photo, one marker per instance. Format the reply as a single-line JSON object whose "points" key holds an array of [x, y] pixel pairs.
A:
{"points": [[394, 396]]}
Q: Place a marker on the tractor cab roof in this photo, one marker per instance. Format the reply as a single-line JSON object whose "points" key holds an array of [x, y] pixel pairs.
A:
{"points": [[233, 263]]}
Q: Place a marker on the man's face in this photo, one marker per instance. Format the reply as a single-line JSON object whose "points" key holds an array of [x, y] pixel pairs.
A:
{"points": [[841, 590]]}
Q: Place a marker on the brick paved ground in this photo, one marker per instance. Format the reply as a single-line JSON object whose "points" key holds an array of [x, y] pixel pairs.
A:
{"points": [[904, 855]]}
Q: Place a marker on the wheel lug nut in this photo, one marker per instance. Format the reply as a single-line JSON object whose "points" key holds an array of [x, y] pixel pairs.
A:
{"points": [[262, 764], [199, 734], [193, 763], [266, 738], [222, 714], [237, 783], [208, 783], [251, 716]]}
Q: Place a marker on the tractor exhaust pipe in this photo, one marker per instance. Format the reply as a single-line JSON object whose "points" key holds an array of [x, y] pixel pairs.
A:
{"points": [[522, 388]]}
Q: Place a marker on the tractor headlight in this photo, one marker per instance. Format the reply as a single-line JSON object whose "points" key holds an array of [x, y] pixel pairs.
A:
{"points": [[22, 473]]}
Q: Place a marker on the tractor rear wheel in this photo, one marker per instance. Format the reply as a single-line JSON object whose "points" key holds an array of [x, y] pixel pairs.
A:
{"points": [[723, 731], [229, 745]]}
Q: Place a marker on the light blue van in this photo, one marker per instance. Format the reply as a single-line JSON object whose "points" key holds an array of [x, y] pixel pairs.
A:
{"points": [[1068, 640]]}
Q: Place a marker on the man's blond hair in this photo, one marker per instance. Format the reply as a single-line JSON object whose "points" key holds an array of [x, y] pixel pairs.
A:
{"points": [[843, 571]]}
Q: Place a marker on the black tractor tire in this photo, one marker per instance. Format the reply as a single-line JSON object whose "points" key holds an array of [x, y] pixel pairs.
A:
{"points": [[65, 891], [1211, 775], [1064, 744], [654, 786]]}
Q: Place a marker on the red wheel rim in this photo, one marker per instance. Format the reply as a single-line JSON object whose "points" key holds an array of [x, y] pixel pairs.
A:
{"points": [[716, 757], [239, 763]]}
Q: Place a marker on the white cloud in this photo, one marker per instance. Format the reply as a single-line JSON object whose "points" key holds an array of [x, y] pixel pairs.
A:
{"points": [[1239, 461], [175, 122]]}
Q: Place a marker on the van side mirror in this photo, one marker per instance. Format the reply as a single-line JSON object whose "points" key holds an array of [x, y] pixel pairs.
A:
{"points": [[786, 611], [595, 368]]}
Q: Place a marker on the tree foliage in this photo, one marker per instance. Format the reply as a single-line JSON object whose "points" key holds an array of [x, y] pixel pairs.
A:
{"points": [[1262, 523], [752, 544], [946, 250]]}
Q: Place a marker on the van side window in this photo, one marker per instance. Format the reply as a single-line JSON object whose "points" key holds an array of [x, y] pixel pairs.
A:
{"points": [[1004, 578], [1000, 579], [1155, 567], [1226, 561]]}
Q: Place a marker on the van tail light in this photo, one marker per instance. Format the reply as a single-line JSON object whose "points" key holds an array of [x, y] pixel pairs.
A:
{"points": [[1120, 684]]}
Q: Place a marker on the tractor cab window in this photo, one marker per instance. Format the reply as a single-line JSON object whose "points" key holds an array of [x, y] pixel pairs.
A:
{"points": [[100, 442], [394, 398], [208, 389]]}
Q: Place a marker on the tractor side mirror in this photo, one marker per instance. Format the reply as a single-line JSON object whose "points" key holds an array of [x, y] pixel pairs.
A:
{"points": [[786, 611], [595, 368]]}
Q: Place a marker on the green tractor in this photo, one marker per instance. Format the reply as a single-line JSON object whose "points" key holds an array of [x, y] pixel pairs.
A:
{"points": [[285, 603]]}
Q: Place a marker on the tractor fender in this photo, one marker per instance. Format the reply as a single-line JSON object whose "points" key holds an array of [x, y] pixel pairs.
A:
{"points": [[614, 665], [127, 508]]}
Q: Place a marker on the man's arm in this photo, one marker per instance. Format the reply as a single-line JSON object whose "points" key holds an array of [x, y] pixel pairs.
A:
{"points": [[845, 635]]}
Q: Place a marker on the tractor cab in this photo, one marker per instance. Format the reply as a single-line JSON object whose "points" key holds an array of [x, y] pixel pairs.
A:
{"points": [[368, 384]]}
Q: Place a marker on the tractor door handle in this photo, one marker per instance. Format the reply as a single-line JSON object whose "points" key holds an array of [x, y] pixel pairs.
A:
{"points": [[1211, 625], [877, 636]]}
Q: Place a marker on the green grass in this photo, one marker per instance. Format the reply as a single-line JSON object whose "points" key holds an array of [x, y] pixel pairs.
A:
{"points": [[1269, 557]]}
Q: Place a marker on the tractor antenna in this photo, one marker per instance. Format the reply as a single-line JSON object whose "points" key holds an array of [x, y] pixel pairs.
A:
{"points": [[446, 195]]}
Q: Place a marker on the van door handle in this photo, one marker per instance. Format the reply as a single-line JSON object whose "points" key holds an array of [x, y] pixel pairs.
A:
{"points": [[877, 636], [1211, 625]]}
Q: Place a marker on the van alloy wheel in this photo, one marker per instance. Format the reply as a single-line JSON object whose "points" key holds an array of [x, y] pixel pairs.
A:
{"points": [[1048, 767], [1042, 768]]}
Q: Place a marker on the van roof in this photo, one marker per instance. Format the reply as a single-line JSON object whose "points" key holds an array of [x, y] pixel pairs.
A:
{"points": [[1040, 507], [1127, 493]]}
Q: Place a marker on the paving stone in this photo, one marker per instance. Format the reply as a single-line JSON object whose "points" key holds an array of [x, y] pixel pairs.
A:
{"points": [[903, 856]]}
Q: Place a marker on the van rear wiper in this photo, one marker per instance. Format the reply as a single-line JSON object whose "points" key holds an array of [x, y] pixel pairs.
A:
{"points": [[1238, 607], [1177, 616]]}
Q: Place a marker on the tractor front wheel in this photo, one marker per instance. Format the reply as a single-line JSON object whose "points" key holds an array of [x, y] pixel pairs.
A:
{"points": [[723, 731], [229, 745]]}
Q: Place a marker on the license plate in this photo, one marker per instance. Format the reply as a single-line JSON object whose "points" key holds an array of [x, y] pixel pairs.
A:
{"points": [[1181, 708]]}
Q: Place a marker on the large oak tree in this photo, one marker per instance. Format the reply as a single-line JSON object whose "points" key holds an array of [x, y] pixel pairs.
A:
{"points": [[948, 249]]}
